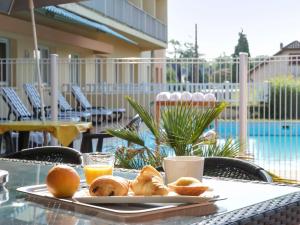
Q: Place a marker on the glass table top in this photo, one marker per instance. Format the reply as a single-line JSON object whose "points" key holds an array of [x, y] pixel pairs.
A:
{"points": [[16, 208]]}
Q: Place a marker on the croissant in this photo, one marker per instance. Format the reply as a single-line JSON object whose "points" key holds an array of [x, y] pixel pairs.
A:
{"points": [[188, 186], [149, 182], [109, 186]]}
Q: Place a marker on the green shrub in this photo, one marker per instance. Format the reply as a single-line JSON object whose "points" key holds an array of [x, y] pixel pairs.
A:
{"points": [[283, 98]]}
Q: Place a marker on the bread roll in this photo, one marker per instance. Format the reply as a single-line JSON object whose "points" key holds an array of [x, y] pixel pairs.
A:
{"points": [[149, 182], [188, 186], [109, 186]]}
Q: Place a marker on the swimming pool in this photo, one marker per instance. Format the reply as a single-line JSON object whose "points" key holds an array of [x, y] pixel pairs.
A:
{"points": [[274, 145], [268, 141]]}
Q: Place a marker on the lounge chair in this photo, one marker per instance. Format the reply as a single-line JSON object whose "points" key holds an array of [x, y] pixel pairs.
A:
{"points": [[34, 99], [65, 107], [87, 138], [20, 112], [83, 103]]}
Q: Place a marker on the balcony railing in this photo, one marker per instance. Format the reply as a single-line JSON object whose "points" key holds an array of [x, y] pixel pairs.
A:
{"points": [[126, 13]]}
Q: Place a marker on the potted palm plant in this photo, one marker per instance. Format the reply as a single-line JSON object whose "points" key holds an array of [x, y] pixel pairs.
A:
{"points": [[181, 130]]}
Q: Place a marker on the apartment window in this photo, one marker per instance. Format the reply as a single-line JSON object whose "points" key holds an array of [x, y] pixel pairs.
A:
{"points": [[74, 68], [4, 67], [98, 70], [44, 63], [43, 56], [131, 73], [118, 73]]}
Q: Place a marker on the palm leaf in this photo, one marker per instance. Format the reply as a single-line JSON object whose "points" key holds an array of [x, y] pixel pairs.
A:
{"points": [[136, 158], [128, 135], [183, 126], [203, 120], [228, 149], [145, 116]]}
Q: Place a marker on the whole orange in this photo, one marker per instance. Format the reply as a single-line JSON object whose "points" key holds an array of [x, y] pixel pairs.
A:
{"points": [[62, 181]]}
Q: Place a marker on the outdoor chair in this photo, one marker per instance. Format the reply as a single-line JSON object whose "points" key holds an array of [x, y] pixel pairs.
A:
{"points": [[65, 107], [34, 99], [55, 154], [20, 112], [87, 138], [235, 169], [84, 104], [15, 105]]}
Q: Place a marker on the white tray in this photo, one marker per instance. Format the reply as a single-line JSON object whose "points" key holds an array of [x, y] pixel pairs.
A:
{"points": [[83, 196], [155, 208]]}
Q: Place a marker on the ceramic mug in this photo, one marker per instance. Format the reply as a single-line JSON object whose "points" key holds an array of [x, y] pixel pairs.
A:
{"points": [[183, 166]]}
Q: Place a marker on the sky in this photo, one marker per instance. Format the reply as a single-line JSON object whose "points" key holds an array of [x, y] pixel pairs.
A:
{"points": [[266, 23]]}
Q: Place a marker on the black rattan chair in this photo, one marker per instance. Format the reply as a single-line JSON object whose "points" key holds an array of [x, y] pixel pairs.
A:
{"points": [[86, 144], [234, 169], [55, 154]]}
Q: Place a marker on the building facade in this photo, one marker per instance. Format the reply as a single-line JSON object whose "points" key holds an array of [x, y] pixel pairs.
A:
{"points": [[286, 62], [94, 30]]}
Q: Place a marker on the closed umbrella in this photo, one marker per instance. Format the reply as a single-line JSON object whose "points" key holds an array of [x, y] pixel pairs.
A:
{"points": [[8, 6]]}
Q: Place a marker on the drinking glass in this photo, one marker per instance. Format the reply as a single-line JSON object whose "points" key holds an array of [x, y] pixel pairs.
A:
{"points": [[97, 164]]}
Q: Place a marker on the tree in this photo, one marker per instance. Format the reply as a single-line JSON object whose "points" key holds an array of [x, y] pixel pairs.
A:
{"points": [[176, 46], [191, 70], [242, 46], [221, 69]]}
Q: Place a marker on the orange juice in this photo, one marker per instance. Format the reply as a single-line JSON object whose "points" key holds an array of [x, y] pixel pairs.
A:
{"points": [[93, 171]]}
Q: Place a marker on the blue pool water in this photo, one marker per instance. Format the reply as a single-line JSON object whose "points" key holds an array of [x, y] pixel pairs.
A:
{"points": [[274, 145], [267, 141]]}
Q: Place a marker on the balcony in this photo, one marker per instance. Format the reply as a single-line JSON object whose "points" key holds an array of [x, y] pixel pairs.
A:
{"points": [[128, 14]]}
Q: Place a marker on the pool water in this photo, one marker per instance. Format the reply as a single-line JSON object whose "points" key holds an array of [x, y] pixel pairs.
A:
{"points": [[267, 141], [273, 145]]}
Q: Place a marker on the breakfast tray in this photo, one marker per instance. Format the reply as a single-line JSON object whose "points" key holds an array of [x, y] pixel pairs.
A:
{"points": [[135, 212]]}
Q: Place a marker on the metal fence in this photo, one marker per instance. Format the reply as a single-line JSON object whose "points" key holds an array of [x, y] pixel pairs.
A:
{"points": [[268, 93]]}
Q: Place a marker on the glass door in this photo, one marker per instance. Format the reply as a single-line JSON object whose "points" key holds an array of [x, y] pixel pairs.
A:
{"points": [[4, 67]]}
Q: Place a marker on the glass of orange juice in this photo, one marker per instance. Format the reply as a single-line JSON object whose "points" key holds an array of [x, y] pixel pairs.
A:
{"points": [[97, 164]]}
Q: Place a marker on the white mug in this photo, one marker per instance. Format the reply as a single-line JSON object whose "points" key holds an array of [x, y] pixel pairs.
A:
{"points": [[183, 166]]}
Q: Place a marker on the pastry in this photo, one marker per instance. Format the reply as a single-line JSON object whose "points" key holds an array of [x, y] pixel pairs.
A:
{"points": [[188, 186], [149, 182], [109, 186]]}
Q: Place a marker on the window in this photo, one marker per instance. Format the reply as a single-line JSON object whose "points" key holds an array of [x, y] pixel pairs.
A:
{"points": [[131, 73], [294, 59], [43, 56], [74, 69], [44, 63], [4, 67], [118, 72], [98, 70]]}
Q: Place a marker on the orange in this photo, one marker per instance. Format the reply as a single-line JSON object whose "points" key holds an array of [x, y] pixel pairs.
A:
{"points": [[62, 181]]}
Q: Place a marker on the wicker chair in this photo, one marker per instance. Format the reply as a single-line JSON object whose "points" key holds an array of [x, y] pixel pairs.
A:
{"points": [[87, 146], [235, 169], [56, 154]]}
